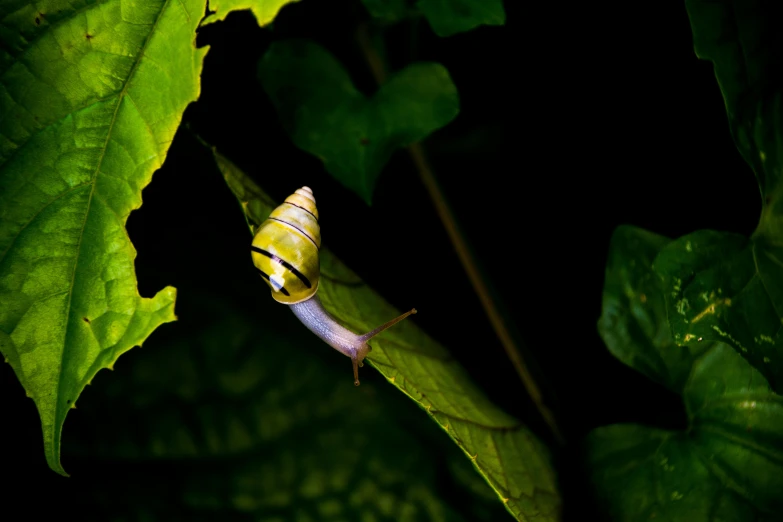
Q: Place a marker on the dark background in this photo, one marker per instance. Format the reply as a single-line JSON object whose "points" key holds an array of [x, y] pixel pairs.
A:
{"points": [[573, 121]]}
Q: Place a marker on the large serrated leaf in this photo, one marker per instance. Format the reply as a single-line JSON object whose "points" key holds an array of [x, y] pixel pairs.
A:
{"points": [[90, 97], [728, 465], [503, 450], [722, 286], [354, 136]]}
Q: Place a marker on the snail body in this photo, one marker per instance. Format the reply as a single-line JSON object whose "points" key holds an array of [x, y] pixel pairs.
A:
{"points": [[285, 252]]}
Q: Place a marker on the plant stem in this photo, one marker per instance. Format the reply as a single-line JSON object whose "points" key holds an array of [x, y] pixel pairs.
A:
{"points": [[416, 151]]}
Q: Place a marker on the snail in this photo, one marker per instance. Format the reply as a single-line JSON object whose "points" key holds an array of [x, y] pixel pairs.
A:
{"points": [[285, 253]]}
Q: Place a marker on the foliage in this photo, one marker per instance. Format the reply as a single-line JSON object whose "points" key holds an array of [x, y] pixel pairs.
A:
{"points": [[721, 286], [728, 461], [82, 134], [92, 95], [238, 413], [354, 137], [674, 310], [264, 11], [447, 17], [252, 420], [508, 455]]}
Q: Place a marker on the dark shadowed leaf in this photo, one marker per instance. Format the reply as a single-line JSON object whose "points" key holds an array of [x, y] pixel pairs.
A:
{"points": [[389, 11], [353, 135], [728, 465], [229, 418], [633, 321], [722, 286], [448, 17]]}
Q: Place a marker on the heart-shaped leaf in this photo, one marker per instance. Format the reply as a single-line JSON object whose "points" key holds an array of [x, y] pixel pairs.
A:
{"points": [[633, 320], [503, 450], [723, 286], [90, 98], [448, 17], [354, 136], [728, 465], [239, 419]]}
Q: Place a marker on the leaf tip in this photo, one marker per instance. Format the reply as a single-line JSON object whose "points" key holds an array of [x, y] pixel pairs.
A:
{"points": [[53, 459], [60, 471]]}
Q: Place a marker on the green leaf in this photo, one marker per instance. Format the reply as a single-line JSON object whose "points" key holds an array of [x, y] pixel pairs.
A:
{"points": [[448, 17], [722, 286], [633, 319], [354, 136], [743, 41], [728, 465], [90, 98], [265, 11], [503, 450], [389, 11], [254, 420], [643, 473]]}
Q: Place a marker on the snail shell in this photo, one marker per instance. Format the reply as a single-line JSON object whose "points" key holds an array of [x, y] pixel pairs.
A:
{"points": [[285, 248], [285, 252]]}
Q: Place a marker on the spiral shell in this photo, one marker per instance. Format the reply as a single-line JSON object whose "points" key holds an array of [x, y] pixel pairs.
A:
{"points": [[285, 248]]}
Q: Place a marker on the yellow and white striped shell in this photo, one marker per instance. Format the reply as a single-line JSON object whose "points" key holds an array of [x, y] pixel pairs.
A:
{"points": [[285, 248]]}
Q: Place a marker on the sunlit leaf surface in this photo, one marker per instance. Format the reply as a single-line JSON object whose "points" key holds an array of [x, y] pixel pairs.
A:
{"points": [[728, 465], [264, 10], [503, 450], [91, 94]]}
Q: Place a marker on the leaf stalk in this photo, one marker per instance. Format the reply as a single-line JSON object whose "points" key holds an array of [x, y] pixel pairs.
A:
{"points": [[416, 152]]}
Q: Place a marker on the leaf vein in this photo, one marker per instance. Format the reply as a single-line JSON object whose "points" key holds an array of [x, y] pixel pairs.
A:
{"points": [[94, 184], [54, 25], [47, 205]]}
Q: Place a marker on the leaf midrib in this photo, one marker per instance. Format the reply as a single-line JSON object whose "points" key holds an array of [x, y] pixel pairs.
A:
{"points": [[759, 449], [718, 473], [432, 411], [53, 121], [93, 180]]}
